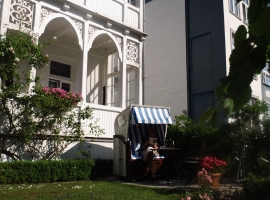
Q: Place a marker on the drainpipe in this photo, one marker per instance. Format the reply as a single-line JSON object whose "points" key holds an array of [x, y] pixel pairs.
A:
{"points": [[187, 59], [143, 49]]}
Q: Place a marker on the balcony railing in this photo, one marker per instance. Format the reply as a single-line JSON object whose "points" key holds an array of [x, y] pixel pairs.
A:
{"points": [[127, 13], [104, 118]]}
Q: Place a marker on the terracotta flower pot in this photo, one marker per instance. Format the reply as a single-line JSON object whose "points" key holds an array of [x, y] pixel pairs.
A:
{"points": [[215, 180]]}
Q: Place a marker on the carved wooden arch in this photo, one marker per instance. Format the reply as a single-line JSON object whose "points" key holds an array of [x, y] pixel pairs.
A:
{"points": [[101, 32], [57, 15]]}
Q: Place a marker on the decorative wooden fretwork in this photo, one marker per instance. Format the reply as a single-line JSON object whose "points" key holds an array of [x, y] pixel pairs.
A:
{"points": [[132, 51], [45, 13], [79, 26], [119, 41], [21, 13], [91, 31]]}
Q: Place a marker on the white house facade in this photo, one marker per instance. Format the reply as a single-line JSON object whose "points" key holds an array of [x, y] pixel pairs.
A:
{"points": [[98, 53]]}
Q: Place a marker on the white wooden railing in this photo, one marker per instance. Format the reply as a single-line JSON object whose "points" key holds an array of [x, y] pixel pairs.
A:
{"points": [[104, 117], [118, 10]]}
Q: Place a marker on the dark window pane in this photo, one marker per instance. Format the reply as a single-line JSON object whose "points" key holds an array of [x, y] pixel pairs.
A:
{"points": [[60, 69], [66, 86]]}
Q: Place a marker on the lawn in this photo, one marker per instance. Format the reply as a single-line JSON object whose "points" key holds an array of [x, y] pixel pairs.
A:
{"points": [[85, 190]]}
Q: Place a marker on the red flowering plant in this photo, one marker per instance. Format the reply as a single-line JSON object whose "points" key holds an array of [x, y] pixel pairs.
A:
{"points": [[213, 165]]}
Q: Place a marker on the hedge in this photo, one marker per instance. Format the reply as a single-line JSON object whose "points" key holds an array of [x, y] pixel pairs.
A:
{"points": [[45, 171]]}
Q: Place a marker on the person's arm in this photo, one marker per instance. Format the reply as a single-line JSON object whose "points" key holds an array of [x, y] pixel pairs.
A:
{"points": [[145, 144]]}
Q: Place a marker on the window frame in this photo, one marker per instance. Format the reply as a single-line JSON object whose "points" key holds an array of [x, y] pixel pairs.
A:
{"points": [[233, 7], [131, 69], [245, 5], [112, 74], [61, 79], [135, 3], [232, 35]]}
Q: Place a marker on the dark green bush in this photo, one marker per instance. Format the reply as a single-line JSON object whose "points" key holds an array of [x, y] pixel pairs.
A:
{"points": [[102, 168], [257, 186], [45, 171]]}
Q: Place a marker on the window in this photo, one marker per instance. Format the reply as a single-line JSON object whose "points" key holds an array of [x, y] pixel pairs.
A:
{"points": [[252, 101], [60, 69], [134, 2], [113, 80], [245, 4], [234, 7], [60, 75], [268, 110], [130, 86], [266, 76], [232, 40]]}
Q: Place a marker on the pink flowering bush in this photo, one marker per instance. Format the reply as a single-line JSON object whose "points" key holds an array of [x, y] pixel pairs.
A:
{"points": [[206, 197], [67, 98], [204, 178]]}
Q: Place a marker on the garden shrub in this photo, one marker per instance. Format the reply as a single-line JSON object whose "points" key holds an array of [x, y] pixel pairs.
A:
{"points": [[257, 186], [102, 167], [45, 171]]}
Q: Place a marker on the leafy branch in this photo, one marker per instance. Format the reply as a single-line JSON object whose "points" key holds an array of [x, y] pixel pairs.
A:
{"points": [[250, 56]]}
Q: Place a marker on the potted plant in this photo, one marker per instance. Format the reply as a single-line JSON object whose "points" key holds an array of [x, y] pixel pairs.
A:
{"points": [[215, 168]]}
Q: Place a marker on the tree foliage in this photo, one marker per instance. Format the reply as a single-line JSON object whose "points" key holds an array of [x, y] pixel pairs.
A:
{"points": [[250, 56], [39, 124]]}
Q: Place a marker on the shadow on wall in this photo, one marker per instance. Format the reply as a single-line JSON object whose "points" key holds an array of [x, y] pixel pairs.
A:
{"points": [[103, 150]]}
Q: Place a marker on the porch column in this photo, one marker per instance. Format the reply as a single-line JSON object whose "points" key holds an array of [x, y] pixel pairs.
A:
{"points": [[36, 25], [4, 16], [123, 75], [84, 60], [139, 77]]}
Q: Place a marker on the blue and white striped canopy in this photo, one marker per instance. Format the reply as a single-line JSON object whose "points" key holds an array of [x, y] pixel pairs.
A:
{"points": [[144, 115]]}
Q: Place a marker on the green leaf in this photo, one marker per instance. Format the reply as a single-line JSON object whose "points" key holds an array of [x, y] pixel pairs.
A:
{"points": [[239, 55], [242, 98], [240, 35], [207, 115], [228, 106], [226, 83], [219, 91], [242, 79], [261, 23], [258, 58], [252, 10]]}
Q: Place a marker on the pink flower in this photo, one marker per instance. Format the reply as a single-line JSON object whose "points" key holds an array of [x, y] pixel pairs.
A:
{"points": [[17, 60], [54, 38]]}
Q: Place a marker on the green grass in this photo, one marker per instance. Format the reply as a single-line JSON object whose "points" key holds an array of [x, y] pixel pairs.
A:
{"points": [[99, 189], [85, 190]]}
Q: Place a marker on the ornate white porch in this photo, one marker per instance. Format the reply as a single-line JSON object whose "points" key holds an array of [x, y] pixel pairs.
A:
{"points": [[90, 34]]}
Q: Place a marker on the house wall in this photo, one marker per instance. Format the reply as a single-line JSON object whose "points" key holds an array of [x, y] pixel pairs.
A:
{"points": [[165, 75], [207, 55]]}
